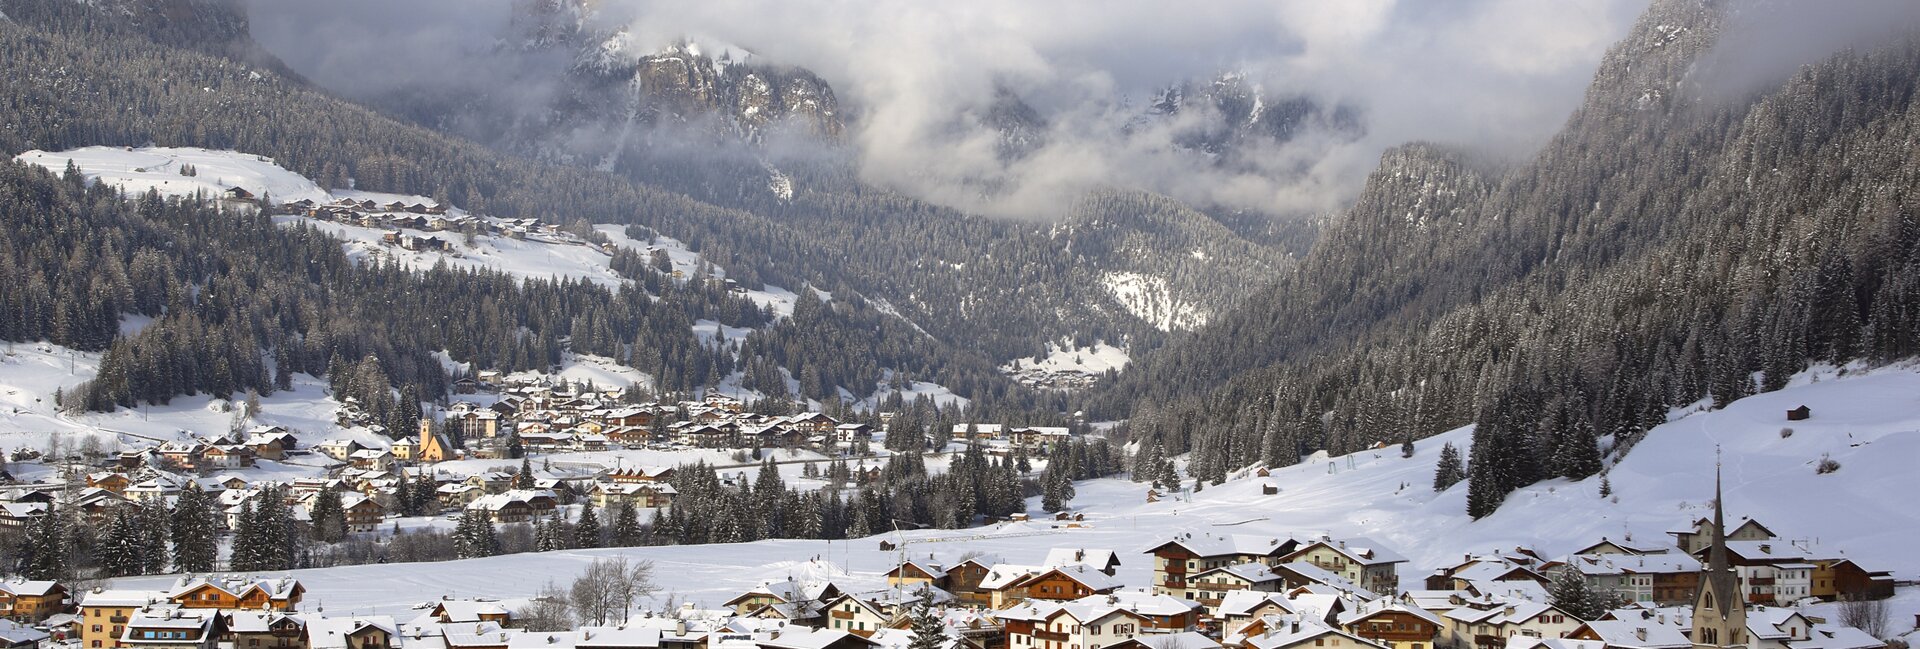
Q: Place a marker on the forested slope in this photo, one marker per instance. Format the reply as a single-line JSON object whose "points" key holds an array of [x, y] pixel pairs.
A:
{"points": [[1675, 242]]}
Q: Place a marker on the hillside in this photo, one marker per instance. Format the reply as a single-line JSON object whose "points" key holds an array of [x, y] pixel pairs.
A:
{"points": [[1676, 241], [1866, 421]]}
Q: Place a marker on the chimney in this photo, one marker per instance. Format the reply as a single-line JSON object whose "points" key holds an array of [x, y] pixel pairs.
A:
{"points": [[1640, 633]]}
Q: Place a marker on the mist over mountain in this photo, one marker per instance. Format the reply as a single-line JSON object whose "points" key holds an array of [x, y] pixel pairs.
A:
{"points": [[1001, 108]]}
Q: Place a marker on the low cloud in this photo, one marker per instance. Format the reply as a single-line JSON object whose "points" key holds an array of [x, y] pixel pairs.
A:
{"points": [[915, 77]]}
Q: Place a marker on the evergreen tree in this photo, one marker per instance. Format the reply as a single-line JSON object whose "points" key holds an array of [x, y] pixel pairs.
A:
{"points": [[48, 545], [474, 536], [1571, 593], [119, 548], [586, 530], [547, 535], [929, 631], [627, 531], [524, 479], [329, 518], [1448, 471], [195, 528]]}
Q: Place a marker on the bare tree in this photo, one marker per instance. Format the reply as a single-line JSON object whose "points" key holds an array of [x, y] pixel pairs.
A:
{"points": [[1869, 615], [609, 587], [636, 583], [549, 611]]}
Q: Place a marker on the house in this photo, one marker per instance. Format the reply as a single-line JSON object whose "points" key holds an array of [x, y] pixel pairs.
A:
{"points": [[1239, 608], [1393, 624], [1629, 546], [1360, 560], [103, 615], [1657, 579], [1487, 623], [1296, 631], [1800, 413], [1067, 583], [1633, 634], [339, 449], [27, 601], [14, 635], [1093, 621], [788, 591], [1303, 575], [471, 611], [799, 638], [856, 616], [642, 474], [1212, 585], [371, 458], [647, 495], [280, 594], [265, 630], [1102, 560], [363, 513], [173, 628], [911, 573], [1176, 559], [357, 632], [110, 481], [1696, 538]]}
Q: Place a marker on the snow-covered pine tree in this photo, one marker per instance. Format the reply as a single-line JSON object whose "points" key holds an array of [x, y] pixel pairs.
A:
{"points": [[626, 525], [246, 554], [47, 544], [586, 531], [524, 479], [1448, 471], [118, 550], [929, 631], [195, 531], [547, 535], [156, 525], [474, 536], [328, 516]]}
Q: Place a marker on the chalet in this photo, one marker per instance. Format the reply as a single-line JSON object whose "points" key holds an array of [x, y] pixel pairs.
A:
{"points": [[812, 422], [642, 474], [964, 579], [646, 495], [635, 417], [31, 601], [1609, 546], [1302, 575], [1293, 631], [856, 616], [103, 615], [280, 594], [458, 494], [978, 432], [14, 517], [1181, 640], [851, 433], [508, 507], [239, 195], [339, 449], [1068, 583], [1800, 413], [1095, 621], [1393, 624], [1360, 560], [1656, 579], [798, 638], [1241, 607], [371, 458], [357, 632], [363, 513], [110, 481], [265, 630], [1486, 624], [1177, 559], [1100, 559], [812, 593], [1700, 535], [14, 635], [1211, 585], [1634, 632], [173, 629], [912, 573], [471, 611]]}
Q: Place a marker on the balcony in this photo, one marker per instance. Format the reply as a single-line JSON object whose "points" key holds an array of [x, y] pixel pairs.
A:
{"points": [[1053, 636], [117, 619]]}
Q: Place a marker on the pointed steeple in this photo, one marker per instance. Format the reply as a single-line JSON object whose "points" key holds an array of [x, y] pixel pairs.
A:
{"points": [[1717, 554]]}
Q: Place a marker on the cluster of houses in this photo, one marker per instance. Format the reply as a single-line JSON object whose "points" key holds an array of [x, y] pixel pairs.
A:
{"points": [[1208, 591]]}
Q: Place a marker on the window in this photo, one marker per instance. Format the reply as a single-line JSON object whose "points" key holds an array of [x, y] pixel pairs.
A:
{"points": [[1319, 642]]}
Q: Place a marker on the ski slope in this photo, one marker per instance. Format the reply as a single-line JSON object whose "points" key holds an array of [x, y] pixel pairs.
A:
{"points": [[1867, 421]]}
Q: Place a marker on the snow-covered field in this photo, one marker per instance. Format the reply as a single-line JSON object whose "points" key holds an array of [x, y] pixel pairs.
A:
{"points": [[158, 168], [1867, 421], [31, 373], [1062, 358]]}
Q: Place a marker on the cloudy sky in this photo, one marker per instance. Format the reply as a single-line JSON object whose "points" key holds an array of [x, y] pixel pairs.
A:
{"points": [[1498, 76]]}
